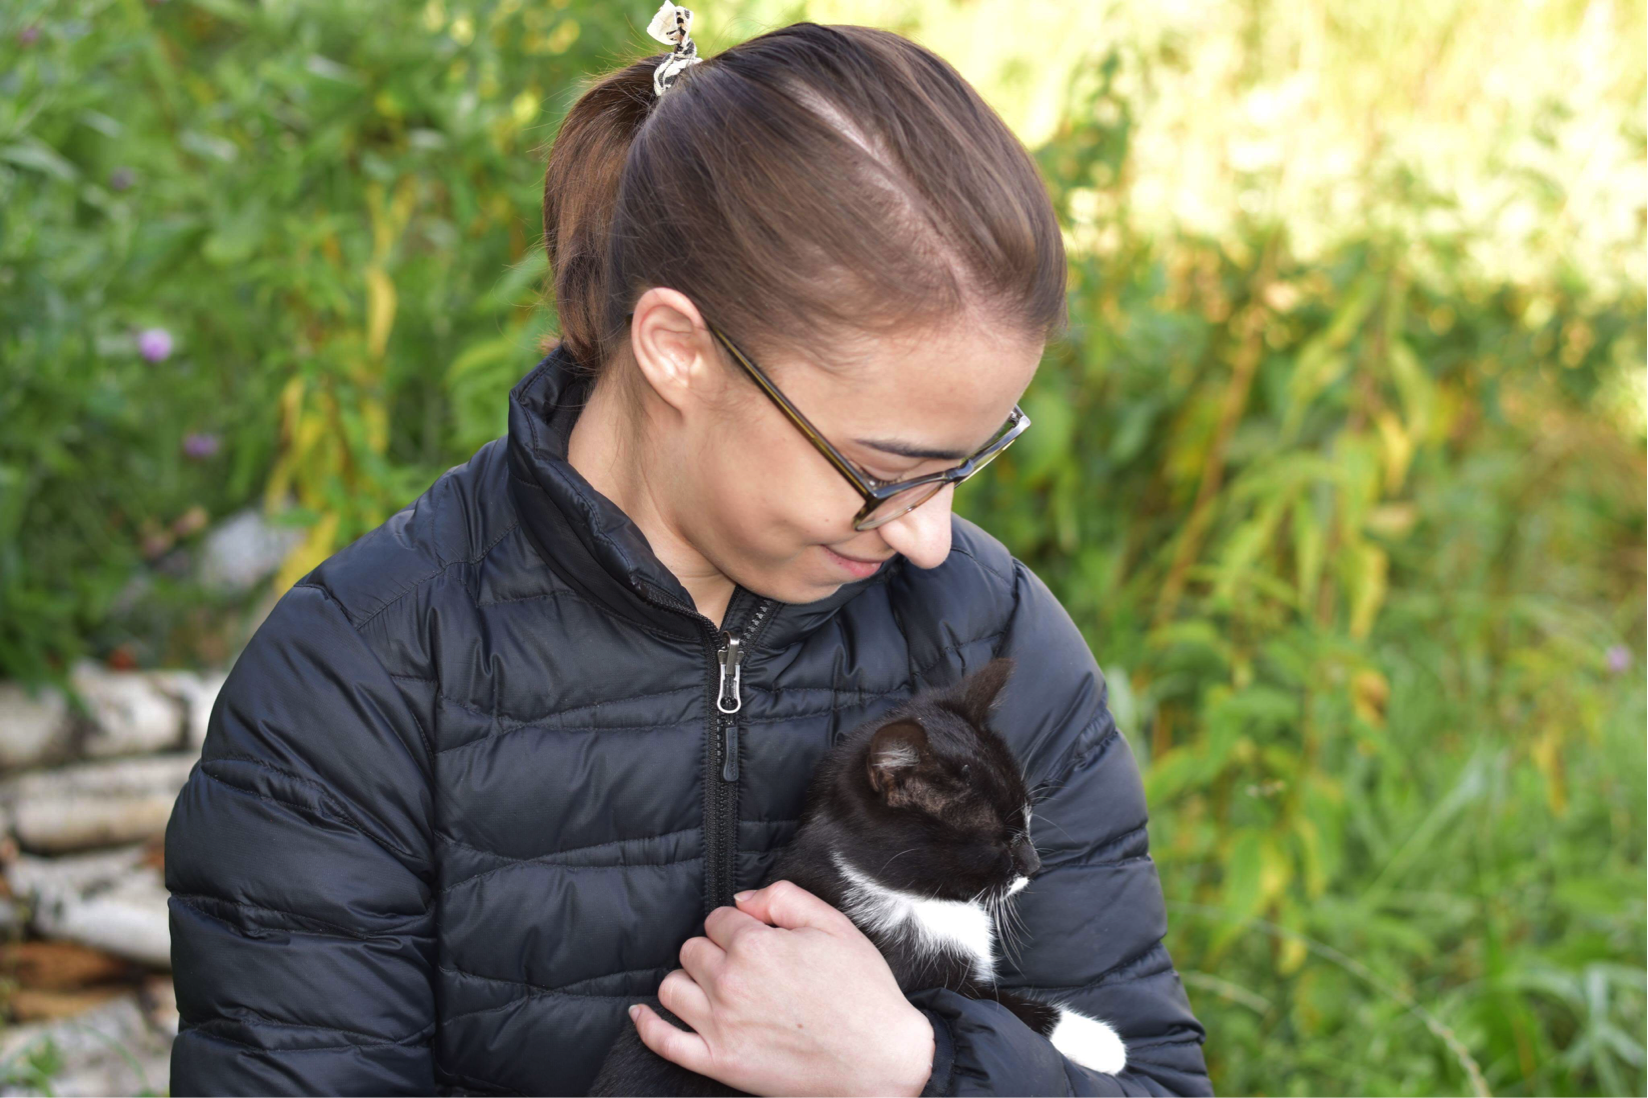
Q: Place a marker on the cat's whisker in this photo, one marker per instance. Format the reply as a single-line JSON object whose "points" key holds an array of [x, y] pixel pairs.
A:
{"points": [[1055, 823], [1042, 789], [895, 857], [1001, 916], [1010, 931], [1022, 931]]}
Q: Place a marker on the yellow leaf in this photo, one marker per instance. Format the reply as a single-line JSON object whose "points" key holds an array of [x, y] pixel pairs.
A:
{"points": [[380, 310], [376, 418], [1368, 595], [1369, 691], [280, 477], [1392, 520], [310, 428], [1398, 450], [524, 108], [562, 36], [1275, 871], [291, 403], [1291, 956], [1417, 390], [1547, 756], [310, 552]]}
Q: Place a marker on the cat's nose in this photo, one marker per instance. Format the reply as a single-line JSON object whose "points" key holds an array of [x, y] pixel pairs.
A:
{"points": [[1027, 861]]}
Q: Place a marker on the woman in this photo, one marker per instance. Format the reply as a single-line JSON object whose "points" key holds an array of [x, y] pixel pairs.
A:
{"points": [[477, 781]]}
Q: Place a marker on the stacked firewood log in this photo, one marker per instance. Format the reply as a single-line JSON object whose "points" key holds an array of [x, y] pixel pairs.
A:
{"points": [[85, 793]]}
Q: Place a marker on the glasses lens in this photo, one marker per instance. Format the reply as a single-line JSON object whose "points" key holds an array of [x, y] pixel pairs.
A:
{"points": [[901, 503]]}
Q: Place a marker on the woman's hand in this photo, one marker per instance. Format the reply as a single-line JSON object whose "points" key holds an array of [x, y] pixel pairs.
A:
{"points": [[805, 1005]]}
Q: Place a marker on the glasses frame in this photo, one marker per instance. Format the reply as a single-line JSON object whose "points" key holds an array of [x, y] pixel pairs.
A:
{"points": [[873, 490]]}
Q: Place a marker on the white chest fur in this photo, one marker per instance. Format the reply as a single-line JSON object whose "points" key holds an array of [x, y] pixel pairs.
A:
{"points": [[955, 926], [966, 928]]}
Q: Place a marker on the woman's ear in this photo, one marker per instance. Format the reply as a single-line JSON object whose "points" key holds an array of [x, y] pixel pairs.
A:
{"points": [[667, 339]]}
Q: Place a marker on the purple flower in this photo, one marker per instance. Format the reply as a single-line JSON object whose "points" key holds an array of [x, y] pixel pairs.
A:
{"points": [[121, 178], [200, 446], [1619, 659], [155, 344], [28, 36]]}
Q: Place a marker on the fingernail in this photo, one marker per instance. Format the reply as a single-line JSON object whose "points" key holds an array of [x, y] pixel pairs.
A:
{"points": [[635, 1008], [742, 896]]}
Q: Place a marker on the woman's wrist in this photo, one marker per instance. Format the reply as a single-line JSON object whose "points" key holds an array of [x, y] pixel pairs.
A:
{"points": [[916, 1044]]}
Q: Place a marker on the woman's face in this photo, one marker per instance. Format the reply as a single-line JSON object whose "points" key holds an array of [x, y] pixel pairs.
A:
{"points": [[737, 480]]}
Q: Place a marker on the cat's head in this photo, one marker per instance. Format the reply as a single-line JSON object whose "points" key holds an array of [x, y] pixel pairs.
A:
{"points": [[941, 802]]}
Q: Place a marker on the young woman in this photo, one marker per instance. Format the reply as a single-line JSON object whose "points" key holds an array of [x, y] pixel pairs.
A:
{"points": [[475, 785]]}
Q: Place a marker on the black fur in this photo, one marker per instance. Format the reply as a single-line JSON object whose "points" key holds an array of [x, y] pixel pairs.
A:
{"points": [[926, 799]]}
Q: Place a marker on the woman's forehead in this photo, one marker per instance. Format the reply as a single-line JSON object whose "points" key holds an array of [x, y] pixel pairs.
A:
{"points": [[929, 392]]}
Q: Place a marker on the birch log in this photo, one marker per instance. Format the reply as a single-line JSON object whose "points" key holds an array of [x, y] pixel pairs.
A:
{"points": [[109, 900], [130, 714], [196, 691], [34, 730], [94, 804]]}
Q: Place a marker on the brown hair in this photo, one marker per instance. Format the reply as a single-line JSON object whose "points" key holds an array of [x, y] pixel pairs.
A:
{"points": [[809, 182]]}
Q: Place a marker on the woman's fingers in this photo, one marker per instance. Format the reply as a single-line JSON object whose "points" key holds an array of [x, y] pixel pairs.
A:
{"points": [[703, 960], [671, 1042], [725, 924], [683, 997]]}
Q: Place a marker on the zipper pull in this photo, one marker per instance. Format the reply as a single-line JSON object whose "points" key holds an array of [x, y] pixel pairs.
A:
{"points": [[731, 656]]}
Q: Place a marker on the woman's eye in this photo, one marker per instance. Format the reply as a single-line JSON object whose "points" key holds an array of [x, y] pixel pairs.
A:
{"points": [[892, 478]]}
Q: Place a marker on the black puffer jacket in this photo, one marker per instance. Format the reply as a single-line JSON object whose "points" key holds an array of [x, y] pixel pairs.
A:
{"points": [[461, 800]]}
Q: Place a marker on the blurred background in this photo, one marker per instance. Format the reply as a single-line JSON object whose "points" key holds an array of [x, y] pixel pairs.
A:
{"points": [[1340, 470]]}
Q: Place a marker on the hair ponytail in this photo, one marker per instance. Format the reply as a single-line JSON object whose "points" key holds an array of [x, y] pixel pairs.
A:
{"points": [[810, 182], [586, 164]]}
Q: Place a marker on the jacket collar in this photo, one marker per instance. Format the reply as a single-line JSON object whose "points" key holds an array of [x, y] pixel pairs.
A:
{"points": [[596, 549]]}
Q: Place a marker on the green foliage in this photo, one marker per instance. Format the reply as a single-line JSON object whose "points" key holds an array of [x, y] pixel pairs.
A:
{"points": [[1353, 539], [323, 203], [38, 1066], [35, 1065], [1357, 535]]}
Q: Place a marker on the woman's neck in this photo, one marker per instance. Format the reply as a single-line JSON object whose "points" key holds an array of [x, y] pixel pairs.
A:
{"points": [[601, 450]]}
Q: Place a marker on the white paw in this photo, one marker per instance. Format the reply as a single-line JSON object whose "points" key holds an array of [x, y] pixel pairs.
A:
{"points": [[1089, 1042]]}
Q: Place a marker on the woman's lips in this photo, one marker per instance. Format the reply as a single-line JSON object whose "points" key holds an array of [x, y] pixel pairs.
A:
{"points": [[857, 568]]}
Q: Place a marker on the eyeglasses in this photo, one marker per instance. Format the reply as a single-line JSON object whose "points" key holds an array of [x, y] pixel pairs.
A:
{"points": [[883, 500]]}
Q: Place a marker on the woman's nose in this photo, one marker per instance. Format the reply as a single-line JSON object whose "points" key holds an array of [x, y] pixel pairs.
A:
{"points": [[923, 535]]}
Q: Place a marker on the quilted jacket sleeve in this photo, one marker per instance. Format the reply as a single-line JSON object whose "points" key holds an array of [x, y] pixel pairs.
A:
{"points": [[1094, 916], [298, 860]]}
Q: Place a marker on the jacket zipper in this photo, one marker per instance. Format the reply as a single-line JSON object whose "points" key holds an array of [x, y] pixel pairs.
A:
{"points": [[721, 769], [721, 840]]}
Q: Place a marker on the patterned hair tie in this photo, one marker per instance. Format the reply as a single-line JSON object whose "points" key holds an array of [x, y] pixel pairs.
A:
{"points": [[670, 26]]}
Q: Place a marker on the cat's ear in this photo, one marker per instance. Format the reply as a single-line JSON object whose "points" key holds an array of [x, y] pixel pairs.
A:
{"points": [[981, 690], [897, 750]]}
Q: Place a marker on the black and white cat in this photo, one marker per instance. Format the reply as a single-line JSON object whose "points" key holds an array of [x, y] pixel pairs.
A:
{"points": [[917, 827]]}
